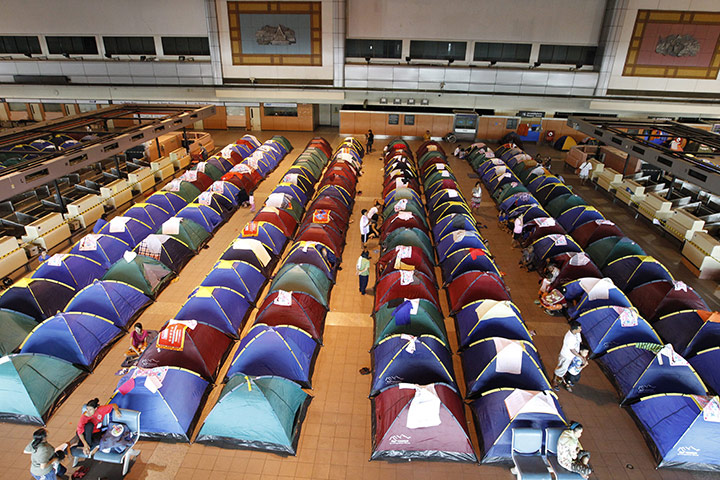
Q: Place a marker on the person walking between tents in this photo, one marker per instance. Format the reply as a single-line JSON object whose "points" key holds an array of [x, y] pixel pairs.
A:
{"points": [[584, 171], [369, 139], [570, 349], [363, 270], [476, 198], [364, 226], [572, 377], [44, 458], [570, 454]]}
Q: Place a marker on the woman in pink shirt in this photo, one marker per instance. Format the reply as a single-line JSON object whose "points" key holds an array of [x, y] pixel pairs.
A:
{"points": [[138, 337]]}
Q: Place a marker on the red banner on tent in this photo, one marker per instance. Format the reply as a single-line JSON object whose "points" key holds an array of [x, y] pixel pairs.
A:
{"points": [[251, 229], [172, 337], [321, 216]]}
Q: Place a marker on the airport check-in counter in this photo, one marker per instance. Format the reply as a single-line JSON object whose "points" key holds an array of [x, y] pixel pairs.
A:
{"points": [[141, 180], [116, 193], [162, 168], [12, 256], [701, 254], [86, 210], [683, 225], [655, 207], [47, 232], [630, 192]]}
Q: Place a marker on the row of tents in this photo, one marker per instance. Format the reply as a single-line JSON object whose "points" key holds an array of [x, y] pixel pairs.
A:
{"points": [[412, 358], [64, 318], [259, 407], [653, 336]]}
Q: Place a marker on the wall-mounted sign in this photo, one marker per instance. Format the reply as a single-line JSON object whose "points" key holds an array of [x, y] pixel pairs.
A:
{"points": [[530, 114]]}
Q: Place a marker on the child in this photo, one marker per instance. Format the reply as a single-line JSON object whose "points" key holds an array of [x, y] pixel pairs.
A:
{"points": [[251, 201], [576, 365]]}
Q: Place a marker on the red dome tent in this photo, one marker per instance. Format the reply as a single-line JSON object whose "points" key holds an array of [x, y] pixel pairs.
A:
{"points": [[472, 286], [304, 312], [393, 285]]}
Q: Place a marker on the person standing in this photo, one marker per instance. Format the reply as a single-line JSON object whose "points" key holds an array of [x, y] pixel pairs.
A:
{"points": [[363, 270], [570, 350], [476, 196], [374, 216], [584, 171], [570, 454], [364, 226], [44, 458], [572, 377], [369, 139]]}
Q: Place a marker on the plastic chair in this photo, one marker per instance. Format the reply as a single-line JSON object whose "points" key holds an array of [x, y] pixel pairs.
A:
{"points": [[551, 440], [131, 419], [527, 454]]}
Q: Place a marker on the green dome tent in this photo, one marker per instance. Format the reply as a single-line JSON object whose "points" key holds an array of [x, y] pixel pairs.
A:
{"points": [[144, 273], [14, 327]]}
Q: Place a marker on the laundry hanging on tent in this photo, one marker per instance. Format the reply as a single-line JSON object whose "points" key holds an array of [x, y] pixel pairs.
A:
{"points": [[424, 409]]}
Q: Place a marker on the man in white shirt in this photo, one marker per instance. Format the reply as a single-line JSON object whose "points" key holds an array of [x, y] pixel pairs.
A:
{"points": [[585, 171], [373, 217], [570, 349], [364, 226]]}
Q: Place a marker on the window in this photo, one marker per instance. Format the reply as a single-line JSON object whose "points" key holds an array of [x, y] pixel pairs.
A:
{"points": [[72, 45], [373, 48], [129, 45], [53, 107], [280, 110], [19, 45], [409, 119], [511, 123], [393, 119], [420, 49], [17, 107], [185, 46], [502, 52], [86, 107], [567, 54]]}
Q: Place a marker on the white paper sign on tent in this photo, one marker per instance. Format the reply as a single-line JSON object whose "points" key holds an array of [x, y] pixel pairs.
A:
{"points": [[205, 198], [171, 226], [410, 347], [458, 235], [173, 186], [129, 256], [227, 151], [56, 260], [680, 286], [452, 193], [191, 324], [440, 166], [284, 298], [579, 259], [497, 161], [201, 166], [403, 251], [529, 401], [509, 356], [275, 200], [117, 224], [414, 305], [406, 277], [291, 178], [628, 317], [241, 168], [424, 409], [89, 243], [189, 176], [545, 222], [445, 174], [405, 216], [711, 411], [597, 289], [400, 183], [401, 205]]}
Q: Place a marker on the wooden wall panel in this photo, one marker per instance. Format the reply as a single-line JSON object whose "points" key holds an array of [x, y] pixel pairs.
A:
{"points": [[217, 121], [347, 122], [362, 122], [425, 122], [378, 123], [408, 130]]}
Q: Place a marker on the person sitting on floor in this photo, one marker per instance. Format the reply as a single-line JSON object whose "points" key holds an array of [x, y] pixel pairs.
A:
{"points": [[138, 339], [570, 454]]}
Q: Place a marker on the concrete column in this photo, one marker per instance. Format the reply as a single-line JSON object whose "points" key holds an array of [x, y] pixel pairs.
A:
{"points": [[339, 15], [214, 40], [615, 12]]}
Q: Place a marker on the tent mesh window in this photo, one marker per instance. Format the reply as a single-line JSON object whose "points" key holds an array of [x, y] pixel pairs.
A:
{"points": [[502, 52], [567, 54], [18, 44], [373, 48], [72, 45], [129, 45], [426, 50], [186, 46]]}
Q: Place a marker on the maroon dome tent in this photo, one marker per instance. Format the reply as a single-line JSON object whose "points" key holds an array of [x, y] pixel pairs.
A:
{"points": [[414, 285], [278, 217], [402, 220], [472, 286], [656, 299], [398, 433], [328, 236], [417, 259], [304, 312], [590, 232], [573, 266], [191, 345]]}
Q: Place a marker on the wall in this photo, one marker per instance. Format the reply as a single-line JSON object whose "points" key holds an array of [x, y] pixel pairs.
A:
{"points": [[306, 120], [230, 71], [575, 22], [356, 123], [110, 17], [626, 16]]}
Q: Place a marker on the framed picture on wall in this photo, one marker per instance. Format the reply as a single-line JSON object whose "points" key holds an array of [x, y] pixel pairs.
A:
{"points": [[393, 119], [511, 124], [409, 120], [674, 44], [275, 33]]}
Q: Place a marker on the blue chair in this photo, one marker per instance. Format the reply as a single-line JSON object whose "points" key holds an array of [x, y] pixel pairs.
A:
{"points": [[551, 440], [527, 454], [131, 419]]}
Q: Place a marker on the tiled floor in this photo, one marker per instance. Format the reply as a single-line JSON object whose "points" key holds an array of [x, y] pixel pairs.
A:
{"points": [[335, 441]]}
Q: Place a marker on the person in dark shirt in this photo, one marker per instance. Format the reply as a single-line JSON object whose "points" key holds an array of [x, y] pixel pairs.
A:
{"points": [[369, 139]]}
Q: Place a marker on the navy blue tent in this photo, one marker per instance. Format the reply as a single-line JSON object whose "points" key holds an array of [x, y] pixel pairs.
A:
{"points": [[635, 270], [585, 294], [457, 240], [268, 234], [36, 297], [607, 327], [705, 362], [168, 201], [148, 213], [282, 351], [127, 229], [488, 318], [74, 270], [168, 411], [104, 249], [637, 371], [497, 362], [452, 222], [221, 307], [497, 412], [677, 431], [552, 245], [574, 217], [515, 200], [407, 359], [242, 277], [205, 216], [467, 260], [116, 301], [78, 338], [690, 331], [168, 250]]}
